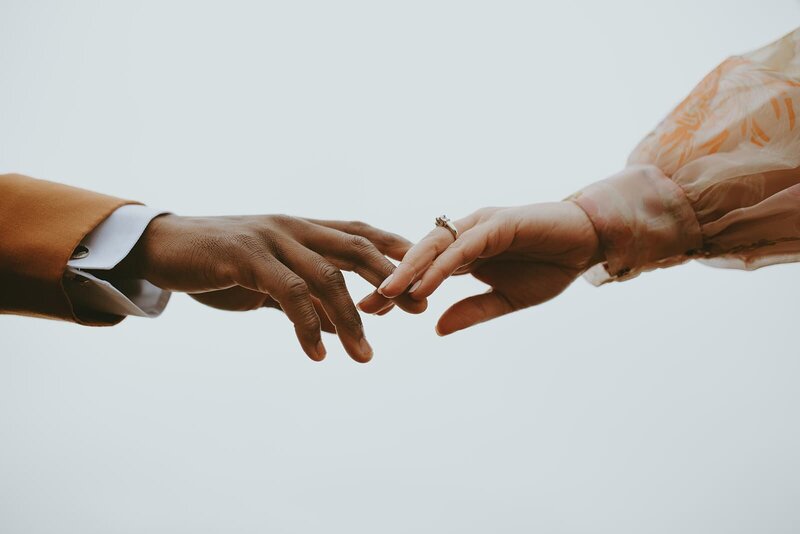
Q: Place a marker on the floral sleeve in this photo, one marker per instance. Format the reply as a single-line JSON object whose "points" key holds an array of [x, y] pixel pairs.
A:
{"points": [[717, 180]]}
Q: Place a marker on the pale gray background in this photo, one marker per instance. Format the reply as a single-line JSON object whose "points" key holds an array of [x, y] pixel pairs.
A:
{"points": [[665, 404]]}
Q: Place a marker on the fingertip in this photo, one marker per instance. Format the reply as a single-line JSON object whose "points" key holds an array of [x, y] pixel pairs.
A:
{"points": [[442, 331], [318, 352], [364, 353], [414, 287], [373, 303], [428, 283], [451, 322], [359, 350], [419, 293], [421, 306], [397, 282], [411, 305], [386, 282], [380, 310], [385, 310]]}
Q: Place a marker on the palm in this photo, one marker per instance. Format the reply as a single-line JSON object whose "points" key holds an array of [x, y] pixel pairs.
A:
{"points": [[238, 298], [524, 283]]}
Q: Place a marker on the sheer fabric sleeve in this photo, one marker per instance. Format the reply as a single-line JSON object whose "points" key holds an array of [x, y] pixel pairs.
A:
{"points": [[717, 180]]}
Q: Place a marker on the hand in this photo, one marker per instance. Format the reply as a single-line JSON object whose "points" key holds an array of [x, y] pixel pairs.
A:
{"points": [[527, 255], [242, 263]]}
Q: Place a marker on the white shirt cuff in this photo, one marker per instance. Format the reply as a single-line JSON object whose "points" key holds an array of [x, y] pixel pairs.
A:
{"points": [[107, 245]]}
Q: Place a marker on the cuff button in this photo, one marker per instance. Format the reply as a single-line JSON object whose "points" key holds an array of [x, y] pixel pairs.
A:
{"points": [[79, 253]]}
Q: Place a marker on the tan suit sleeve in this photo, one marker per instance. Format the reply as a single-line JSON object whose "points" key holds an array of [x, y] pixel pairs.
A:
{"points": [[41, 223]]}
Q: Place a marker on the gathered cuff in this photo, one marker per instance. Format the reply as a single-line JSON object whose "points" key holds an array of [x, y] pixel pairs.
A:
{"points": [[643, 221]]}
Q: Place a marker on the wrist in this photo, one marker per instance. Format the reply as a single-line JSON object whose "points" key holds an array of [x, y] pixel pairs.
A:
{"points": [[137, 263], [642, 219], [591, 239]]}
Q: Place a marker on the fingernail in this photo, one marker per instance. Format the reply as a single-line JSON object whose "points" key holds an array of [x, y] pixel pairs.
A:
{"points": [[385, 309], [321, 352], [360, 304], [365, 349], [385, 283], [415, 286]]}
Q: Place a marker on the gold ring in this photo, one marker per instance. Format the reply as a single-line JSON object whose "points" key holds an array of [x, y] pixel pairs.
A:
{"points": [[445, 222]]}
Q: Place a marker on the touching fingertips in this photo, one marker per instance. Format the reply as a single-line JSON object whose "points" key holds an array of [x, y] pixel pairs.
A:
{"points": [[372, 303], [385, 283], [363, 302], [397, 282], [414, 287], [385, 310], [415, 306], [384, 306], [423, 288]]}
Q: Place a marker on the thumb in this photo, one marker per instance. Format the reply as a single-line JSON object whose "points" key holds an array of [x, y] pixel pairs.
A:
{"points": [[473, 310]]}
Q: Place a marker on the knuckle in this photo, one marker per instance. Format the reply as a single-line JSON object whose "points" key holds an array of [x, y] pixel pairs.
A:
{"points": [[296, 289], [268, 237], [308, 323], [486, 212], [350, 321], [282, 219], [270, 241], [224, 271], [360, 244], [277, 225], [433, 237], [246, 241], [247, 247], [330, 276]]}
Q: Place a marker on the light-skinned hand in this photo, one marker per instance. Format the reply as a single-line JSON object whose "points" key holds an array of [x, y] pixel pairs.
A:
{"points": [[526, 255]]}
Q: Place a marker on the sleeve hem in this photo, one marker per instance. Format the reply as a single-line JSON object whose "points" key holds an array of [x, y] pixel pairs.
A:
{"points": [[643, 220]]}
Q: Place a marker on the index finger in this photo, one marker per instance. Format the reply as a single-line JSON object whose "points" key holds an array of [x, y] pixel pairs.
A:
{"points": [[464, 250], [420, 257], [391, 244], [357, 253]]}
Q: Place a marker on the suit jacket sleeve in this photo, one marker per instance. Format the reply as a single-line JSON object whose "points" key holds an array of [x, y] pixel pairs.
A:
{"points": [[41, 223]]}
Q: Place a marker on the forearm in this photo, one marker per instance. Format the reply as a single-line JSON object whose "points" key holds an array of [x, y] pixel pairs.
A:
{"points": [[718, 179], [41, 224]]}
